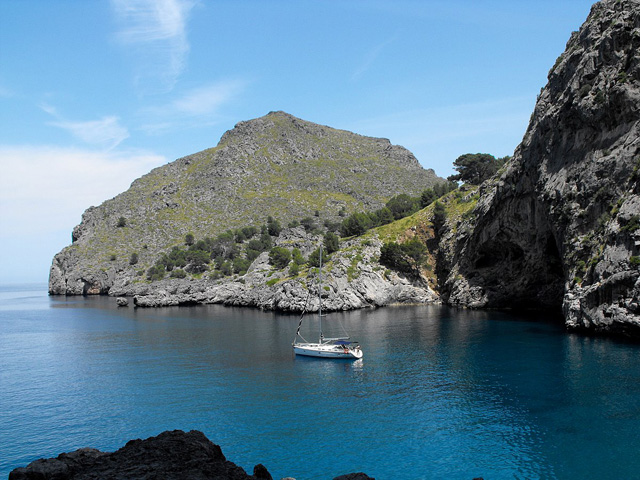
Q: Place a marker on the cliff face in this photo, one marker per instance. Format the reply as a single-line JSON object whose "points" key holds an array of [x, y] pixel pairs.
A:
{"points": [[559, 227], [276, 165]]}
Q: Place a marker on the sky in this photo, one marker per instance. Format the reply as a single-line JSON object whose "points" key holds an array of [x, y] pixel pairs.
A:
{"points": [[94, 94]]}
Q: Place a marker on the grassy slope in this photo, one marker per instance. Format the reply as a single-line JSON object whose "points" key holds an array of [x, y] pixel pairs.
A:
{"points": [[282, 167]]}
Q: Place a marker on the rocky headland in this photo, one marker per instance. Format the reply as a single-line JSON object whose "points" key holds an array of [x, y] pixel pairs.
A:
{"points": [[275, 166], [557, 228], [170, 455]]}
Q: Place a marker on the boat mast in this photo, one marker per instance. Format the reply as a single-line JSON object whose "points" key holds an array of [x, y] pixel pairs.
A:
{"points": [[320, 294]]}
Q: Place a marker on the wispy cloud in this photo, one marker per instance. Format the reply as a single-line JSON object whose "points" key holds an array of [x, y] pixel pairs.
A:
{"points": [[157, 31], [43, 192], [201, 105], [106, 132], [208, 99], [48, 108], [368, 60]]}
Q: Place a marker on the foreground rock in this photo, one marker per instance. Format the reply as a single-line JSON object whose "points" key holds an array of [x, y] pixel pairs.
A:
{"points": [[170, 455], [560, 227]]}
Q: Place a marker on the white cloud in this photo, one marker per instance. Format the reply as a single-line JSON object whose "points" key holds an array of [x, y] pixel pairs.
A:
{"points": [[157, 29], [106, 132], [208, 99], [45, 188]]}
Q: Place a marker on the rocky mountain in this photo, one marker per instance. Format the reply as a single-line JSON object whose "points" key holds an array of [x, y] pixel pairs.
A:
{"points": [[559, 227], [276, 165]]}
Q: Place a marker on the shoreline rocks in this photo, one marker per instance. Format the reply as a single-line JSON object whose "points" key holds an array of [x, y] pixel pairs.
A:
{"points": [[172, 455], [352, 279]]}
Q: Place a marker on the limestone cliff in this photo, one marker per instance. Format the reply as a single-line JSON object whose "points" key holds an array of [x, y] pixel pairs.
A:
{"points": [[559, 226], [276, 165]]}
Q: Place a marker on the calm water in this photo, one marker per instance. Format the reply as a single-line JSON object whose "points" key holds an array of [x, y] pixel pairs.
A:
{"points": [[440, 393]]}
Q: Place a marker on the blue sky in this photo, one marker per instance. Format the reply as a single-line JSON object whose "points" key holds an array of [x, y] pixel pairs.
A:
{"points": [[94, 94]]}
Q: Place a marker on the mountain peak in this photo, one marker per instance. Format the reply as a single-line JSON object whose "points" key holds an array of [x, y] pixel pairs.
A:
{"points": [[274, 166]]}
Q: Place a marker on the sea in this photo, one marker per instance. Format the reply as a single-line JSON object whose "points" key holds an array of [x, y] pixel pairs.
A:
{"points": [[440, 392]]}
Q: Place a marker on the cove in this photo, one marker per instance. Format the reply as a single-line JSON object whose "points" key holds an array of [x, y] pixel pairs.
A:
{"points": [[440, 393]]}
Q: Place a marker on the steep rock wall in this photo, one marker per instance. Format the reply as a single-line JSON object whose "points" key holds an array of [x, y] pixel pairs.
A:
{"points": [[558, 228]]}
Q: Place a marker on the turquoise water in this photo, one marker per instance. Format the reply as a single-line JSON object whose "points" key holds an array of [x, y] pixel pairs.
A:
{"points": [[440, 393]]}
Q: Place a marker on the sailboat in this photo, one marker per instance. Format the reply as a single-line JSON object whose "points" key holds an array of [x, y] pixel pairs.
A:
{"points": [[340, 347]]}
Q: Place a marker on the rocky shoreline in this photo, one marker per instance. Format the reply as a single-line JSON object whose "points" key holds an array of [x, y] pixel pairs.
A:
{"points": [[348, 284], [171, 455]]}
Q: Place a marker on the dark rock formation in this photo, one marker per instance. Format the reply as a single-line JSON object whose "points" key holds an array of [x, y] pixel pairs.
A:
{"points": [[354, 476], [170, 455], [559, 227], [276, 165]]}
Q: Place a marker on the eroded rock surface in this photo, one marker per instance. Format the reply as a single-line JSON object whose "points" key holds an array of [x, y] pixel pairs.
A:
{"points": [[559, 228]]}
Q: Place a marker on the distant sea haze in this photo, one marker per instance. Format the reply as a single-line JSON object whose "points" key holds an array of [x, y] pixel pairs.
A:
{"points": [[440, 393]]}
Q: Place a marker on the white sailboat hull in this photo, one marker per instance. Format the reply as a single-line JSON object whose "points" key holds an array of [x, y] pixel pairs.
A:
{"points": [[326, 350]]}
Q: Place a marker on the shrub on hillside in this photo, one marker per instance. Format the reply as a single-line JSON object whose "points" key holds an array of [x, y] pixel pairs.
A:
{"points": [[279, 257]]}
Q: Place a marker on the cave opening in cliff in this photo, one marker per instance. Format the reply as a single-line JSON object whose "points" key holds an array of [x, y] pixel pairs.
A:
{"points": [[522, 276]]}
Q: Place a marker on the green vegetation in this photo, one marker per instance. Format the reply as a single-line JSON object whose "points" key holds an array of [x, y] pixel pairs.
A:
{"points": [[294, 269], [356, 224], [273, 227], [352, 269], [314, 258], [403, 205], [634, 260], [439, 217], [178, 273], [156, 272], [632, 225], [279, 257], [430, 195], [122, 222], [297, 257], [475, 168], [398, 207], [405, 258], [331, 242]]}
